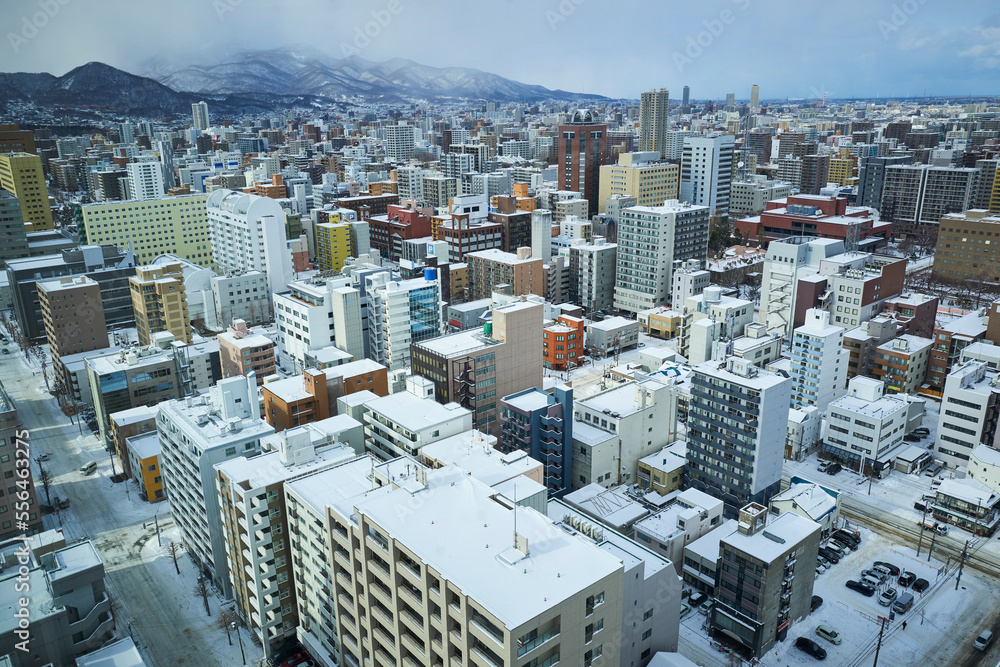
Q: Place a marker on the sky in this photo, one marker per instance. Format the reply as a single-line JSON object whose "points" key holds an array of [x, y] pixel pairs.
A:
{"points": [[619, 48]]}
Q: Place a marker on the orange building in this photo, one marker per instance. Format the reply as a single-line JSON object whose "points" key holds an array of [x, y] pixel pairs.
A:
{"points": [[275, 189], [562, 343], [313, 396], [242, 351]]}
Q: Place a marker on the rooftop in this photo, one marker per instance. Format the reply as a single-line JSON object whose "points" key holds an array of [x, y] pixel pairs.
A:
{"points": [[462, 342], [611, 506], [289, 390], [246, 342], [669, 458], [612, 323], [529, 401], [495, 255], [969, 326], [969, 490], [589, 435], [122, 653], [707, 546], [987, 455], [145, 446], [621, 401], [473, 452], [811, 498], [789, 529], [267, 469], [133, 415], [414, 413]]}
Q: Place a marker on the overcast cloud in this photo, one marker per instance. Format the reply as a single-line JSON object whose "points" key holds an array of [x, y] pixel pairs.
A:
{"points": [[617, 48]]}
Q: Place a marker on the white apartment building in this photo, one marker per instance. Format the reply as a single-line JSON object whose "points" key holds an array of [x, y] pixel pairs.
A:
{"points": [[199, 113], [615, 428], [865, 426], [788, 261], [650, 239], [399, 141], [970, 392], [819, 361], [592, 274], [195, 434], [706, 171], [749, 198], [674, 143], [318, 313], [410, 182], [145, 180], [691, 515], [729, 314], [737, 423], [242, 296], [248, 234], [690, 279], [984, 467], [400, 424], [401, 312]]}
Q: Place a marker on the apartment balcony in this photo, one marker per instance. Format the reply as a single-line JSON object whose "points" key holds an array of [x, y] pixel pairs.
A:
{"points": [[384, 614], [267, 570], [384, 637], [414, 622], [271, 602], [265, 552], [385, 657], [411, 642], [268, 586]]}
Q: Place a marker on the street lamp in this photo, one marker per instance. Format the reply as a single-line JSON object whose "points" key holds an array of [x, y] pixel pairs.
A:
{"points": [[240, 638]]}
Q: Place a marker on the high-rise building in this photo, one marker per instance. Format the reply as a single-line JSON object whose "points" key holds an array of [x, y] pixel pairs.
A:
{"points": [[706, 172], [749, 198], [582, 151], [960, 254], [21, 175], [754, 97], [650, 239], [730, 101], [159, 299], [541, 424], [687, 95], [738, 459], [642, 175], [12, 434], [15, 140], [489, 268], [196, 434], [653, 108], [916, 195], [815, 174], [13, 237], [971, 394], [199, 113], [399, 141], [593, 271], [73, 315], [247, 232], [819, 361], [145, 180], [401, 313], [166, 225]]}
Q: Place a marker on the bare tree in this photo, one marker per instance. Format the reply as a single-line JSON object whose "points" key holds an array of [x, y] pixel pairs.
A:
{"points": [[201, 588], [226, 618], [173, 550], [45, 371], [45, 479]]}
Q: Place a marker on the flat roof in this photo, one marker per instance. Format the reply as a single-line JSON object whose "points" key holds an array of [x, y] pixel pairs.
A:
{"points": [[352, 368], [969, 490], [621, 400], [461, 342], [74, 559], [133, 415], [530, 400], [290, 389], [609, 505], [789, 528], [590, 435], [122, 653], [473, 452], [707, 546], [145, 446], [611, 323], [414, 413], [267, 469], [251, 340]]}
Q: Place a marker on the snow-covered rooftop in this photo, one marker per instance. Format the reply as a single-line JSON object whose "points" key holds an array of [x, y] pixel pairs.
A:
{"points": [[789, 529]]}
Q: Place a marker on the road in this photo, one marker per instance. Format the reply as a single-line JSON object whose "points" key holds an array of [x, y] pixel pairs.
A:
{"points": [[115, 525]]}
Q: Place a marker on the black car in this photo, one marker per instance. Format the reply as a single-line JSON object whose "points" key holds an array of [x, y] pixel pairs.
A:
{"points": [[921, 585], [834, 469], [844, 544], [893, 570], [697, 598], [919, 506], [864, 589], [912, 438], [829, 555], [850, 537], [810, 647], [817, 601], [906, 579]]}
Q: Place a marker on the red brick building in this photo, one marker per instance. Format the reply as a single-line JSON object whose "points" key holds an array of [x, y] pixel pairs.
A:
{"points": [[815, 215], [400, 223], [562, 343]]}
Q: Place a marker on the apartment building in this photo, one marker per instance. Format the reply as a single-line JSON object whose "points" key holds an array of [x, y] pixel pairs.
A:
{"points": [[968, 415], [541, 424], [919, 194], [400, 424], [13, 238], [819, 361], [810, 501], [750, 198], [399, 142], [159, 300], [863, 340], [593, 268], [21, 175], [902, 363], [73, 316], [871, 177], [465, 234], [128, 424], [764, 581], [689, 279], [730, 314], [757, 346], [333, 245], [915, 313], [737, 457], [144, 179], [319, 312], [401, 222], [157, 226], [242, 351], [653, 124], [964, 250], [865, 426], [706, 171], [247, 232], [789, 261], [690, 515], [562, 343], [650, 239], [642, 175], [195, 434], [143, 454], [477, 368], [242, 295], [401, 313], [949, 340]]}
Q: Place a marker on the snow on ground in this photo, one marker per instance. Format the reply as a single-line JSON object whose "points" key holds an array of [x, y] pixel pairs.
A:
{"points": [[179, 590]]}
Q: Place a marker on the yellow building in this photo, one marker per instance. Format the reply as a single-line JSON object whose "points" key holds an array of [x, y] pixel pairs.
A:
{"points": [[995, 196], [650, 182], [144, 461], [159, 299], [21, 175], [841, 170], [154, 227], [660, 322], [333, 244], [663, 471]]}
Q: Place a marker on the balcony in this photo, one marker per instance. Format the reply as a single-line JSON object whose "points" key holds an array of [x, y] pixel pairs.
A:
{"points": [[410, 641]]}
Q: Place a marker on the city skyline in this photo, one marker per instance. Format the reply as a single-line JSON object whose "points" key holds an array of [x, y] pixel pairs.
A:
{"points": [[907, 49]]}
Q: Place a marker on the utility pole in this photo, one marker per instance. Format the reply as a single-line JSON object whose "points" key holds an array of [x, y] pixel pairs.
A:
{"points": [[878, 646], [238, 637], [156, 522], [961, 564], [922, 520], [931, 550]]}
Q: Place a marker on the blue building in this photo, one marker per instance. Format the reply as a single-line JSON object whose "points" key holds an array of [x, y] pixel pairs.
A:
{"points": [[541, 424]]}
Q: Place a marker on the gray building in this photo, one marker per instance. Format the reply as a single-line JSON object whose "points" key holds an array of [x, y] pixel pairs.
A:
{"points": [[871, 177], [462, 316], [541, 423]]}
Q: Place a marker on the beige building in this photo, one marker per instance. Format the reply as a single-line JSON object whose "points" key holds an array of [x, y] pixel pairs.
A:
{"points": [[640, 175], [902, 363], [21, 175], [242, 351], [490, 268], [73, 315], [963, 247], [159, 299], [661, 322]]}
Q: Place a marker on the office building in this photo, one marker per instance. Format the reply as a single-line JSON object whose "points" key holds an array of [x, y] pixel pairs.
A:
{"points": [[815, 174], [13, 238], [641, 175], [15, 140], [247, 233], [759, 591], [399, 141], [333, 245], [489, 268], [754, 97], [750, 198], [73, 316], [737, 459], [195, 434], [242, 351], [477, 368], [968, 415], [582, 150], [706, 172], [163, 225], [402, 313], [902, 363], [199, 113], [960, 253], [242, 296], [15, 438], [729, 314], [950, 339], [541, 424], [865, 426], [21, 175], [562, 343], [650, 240], [689, 279], [319, 312], [818, 216], [159, 300], [145, 180], [653, 110], [819, 361], [687, 517]]}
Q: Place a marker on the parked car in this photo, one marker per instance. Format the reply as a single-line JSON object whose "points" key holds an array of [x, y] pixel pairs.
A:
{"points": [[920, 507], [864, 589], [822, 561], [892, 569], [812, 648], [911, 438], [697, 598], [922, 430], [844, 543], [823, 465], [887, 597], [829, 555], [849, 537], [5, 351], [903, 603], [876, 574], [834, 469], [704, 609], [42, 457], [816, 603], [829, 634], [984, 640], [685, 608], [906, 579], [920, 585]]}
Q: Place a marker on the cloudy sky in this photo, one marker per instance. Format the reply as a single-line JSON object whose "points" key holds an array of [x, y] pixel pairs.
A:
{"points": [[617, 48]]}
